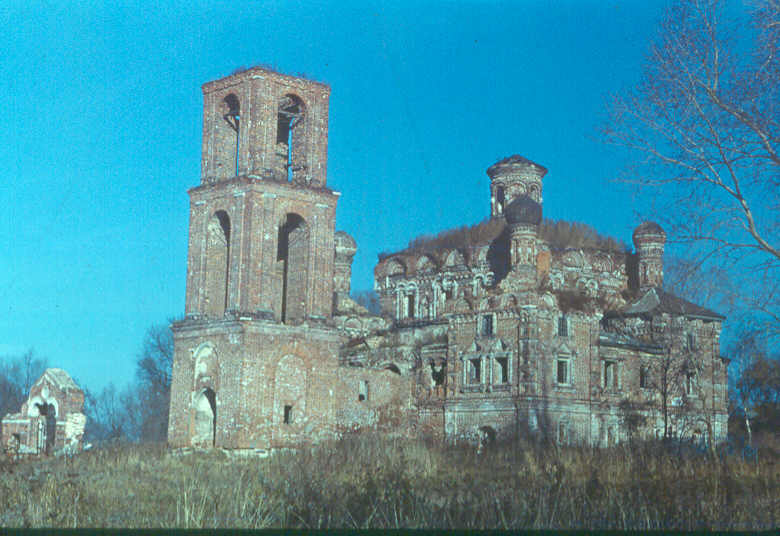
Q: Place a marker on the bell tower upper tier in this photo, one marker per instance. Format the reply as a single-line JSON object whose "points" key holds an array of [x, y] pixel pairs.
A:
{"points": [[265, 125], [262, 221]]}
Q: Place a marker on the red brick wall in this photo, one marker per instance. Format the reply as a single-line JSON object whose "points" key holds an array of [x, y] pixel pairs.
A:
{"points": [[256, 210], [256, 368], [259, 92]]}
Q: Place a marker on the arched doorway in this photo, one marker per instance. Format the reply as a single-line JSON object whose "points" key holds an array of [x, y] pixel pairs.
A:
{"points": [[47, 427], [205, 419]]}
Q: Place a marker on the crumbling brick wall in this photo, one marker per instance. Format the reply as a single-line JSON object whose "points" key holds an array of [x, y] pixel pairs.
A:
{"points": [[50, 420]]}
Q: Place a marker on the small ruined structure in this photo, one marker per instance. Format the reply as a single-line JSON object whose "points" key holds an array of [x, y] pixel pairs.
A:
{"points": [[500, 333], [50, 421]]}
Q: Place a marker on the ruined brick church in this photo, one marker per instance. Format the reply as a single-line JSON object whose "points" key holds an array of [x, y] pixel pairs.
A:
{"points": [[503, 336]]}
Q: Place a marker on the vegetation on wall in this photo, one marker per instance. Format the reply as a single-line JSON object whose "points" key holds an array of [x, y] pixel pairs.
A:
{"points": [[559, 234]]}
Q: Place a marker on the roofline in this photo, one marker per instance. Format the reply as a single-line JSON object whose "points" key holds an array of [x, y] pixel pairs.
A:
{"points": [[648, 349], [618, 314], [254, 72]]}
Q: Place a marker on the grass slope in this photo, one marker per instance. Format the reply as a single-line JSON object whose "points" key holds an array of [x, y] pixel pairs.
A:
{"points": [[370, 482]]}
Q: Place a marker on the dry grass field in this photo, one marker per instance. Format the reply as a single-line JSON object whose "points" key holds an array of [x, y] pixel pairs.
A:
{"points": [[367, 481]]}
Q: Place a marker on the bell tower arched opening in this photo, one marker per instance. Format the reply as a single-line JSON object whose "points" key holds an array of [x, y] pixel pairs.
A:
{"points": [[290, 138], [226, 136], [293, 268], [217, 264], [232, 115]]}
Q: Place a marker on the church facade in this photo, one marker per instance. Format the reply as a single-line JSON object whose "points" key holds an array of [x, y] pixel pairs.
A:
{"points": [[491, 337]]}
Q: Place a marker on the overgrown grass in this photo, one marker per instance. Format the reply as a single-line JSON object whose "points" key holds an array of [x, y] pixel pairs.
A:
{"points": [[370, 482]]}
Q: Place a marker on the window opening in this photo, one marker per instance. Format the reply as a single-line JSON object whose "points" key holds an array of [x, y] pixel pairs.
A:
{"points": [[475, 370], [500, 199], [610, 375], [644, 377], [691, 341], [410, 305], [487, 325], [438, 373], [563, 326], [363, 391], [503, 369], [487, 436], [288, 417], [563, 372], [690, 383]]}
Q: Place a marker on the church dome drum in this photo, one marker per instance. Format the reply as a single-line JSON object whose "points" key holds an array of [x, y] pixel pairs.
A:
{"points": [[523, 210]]}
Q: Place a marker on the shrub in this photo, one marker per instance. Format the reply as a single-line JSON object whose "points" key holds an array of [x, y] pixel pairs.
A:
{"points": [[559, 234]]}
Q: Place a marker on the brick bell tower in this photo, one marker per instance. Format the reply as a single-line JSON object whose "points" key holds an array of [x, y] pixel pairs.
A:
{"points": [[257, 333], [262, 220]]}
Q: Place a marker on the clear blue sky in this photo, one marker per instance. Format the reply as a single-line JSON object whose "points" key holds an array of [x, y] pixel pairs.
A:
{"points": [[101, 134]]}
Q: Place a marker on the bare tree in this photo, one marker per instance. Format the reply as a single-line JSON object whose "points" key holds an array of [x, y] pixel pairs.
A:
{"points": [[112, 415], [17, 375], [705, 119], [665, 380], [757, 389], [154, 370]]}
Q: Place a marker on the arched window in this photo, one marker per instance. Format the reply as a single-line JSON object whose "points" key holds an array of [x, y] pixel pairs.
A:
{"points": [[500, 200], [292, 265], [533, 193], [289, 138], [217, 264]]}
